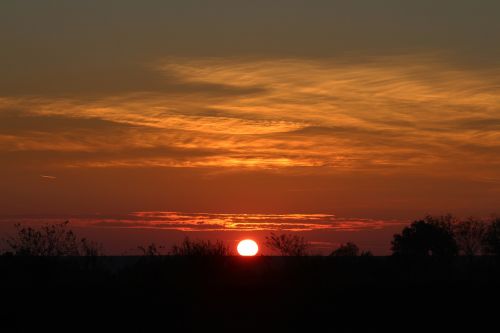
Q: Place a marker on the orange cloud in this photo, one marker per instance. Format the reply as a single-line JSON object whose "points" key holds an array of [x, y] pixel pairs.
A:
{"points": [[414, 112], [212, 222]]}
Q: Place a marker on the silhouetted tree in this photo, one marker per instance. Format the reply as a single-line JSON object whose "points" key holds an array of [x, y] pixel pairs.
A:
{"points": [[470, 236], [492, 238], [90, 248], [50, 240], [151, 250], [346, 250], [287, 244], [350, 249], [430, 236], [200, 248]]}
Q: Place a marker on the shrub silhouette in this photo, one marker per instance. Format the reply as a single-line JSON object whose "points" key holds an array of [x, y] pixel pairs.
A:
{"points": [[346, 250], [90, 248], [492, 238], [430, 236], [287, 244], [200, 248], [50, 240], [349, 249], [151, 250]]}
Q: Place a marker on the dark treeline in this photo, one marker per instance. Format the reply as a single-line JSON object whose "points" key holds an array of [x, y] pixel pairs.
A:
{"points": [[440, 278], [221, 293], [448, 236], [430, 236]]}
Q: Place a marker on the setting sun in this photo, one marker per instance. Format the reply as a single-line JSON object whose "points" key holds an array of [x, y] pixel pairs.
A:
{"points": [[247, 248]]}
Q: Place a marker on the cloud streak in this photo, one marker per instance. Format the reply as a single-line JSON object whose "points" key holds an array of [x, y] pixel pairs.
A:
{"points": [[408, 111], [215, 222]]}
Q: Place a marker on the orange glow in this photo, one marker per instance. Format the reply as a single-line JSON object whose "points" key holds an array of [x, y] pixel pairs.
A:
{"points": [[247, 248]]}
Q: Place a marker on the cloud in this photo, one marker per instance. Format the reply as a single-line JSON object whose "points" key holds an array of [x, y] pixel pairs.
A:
{"points": [[389, 112], [193, 222], [324, 231]]}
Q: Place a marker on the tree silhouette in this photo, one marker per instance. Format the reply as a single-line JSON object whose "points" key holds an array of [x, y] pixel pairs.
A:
{"points": [[151, 250], [90, 248], [287, 244], [346, 250], [349, 249], [492, 238], [470, 236], [430, 236], [200, 248], [50, 240]]}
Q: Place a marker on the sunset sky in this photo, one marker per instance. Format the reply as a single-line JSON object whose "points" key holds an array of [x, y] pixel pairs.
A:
{"points": [[148, 121]]}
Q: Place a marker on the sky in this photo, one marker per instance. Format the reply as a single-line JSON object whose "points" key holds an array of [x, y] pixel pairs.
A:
{"points": [[371, 112]]}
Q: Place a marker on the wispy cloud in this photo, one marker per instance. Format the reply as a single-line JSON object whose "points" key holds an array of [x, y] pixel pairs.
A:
{"points": [[215, 222], [407, 111]]}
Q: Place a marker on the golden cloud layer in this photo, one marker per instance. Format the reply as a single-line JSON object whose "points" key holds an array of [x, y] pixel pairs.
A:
{"points": [[209, 222], [413, 112]]}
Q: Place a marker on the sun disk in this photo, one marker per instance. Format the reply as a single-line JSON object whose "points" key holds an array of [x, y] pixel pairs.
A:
{"points": [[247, 248]]}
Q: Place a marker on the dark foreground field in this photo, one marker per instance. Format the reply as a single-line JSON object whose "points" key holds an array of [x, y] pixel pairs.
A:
{"points": [[309, 294]]}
